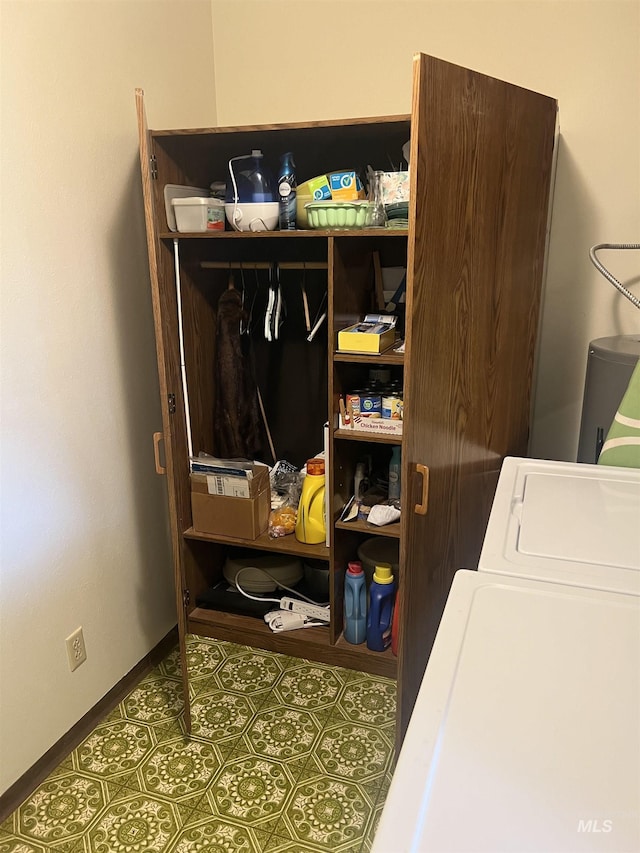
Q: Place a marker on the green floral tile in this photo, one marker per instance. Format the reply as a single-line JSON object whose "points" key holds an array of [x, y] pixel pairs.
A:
{"points": [[179, 770], [250, 672], [134, 823], [282, 733], [211, 835], [114, 749], [203, 658], [222, 716], [284, 755], [12, 844], [326, 814], [352, 752], [154, 700], [310, 686], [369, 700], [60, 811]]}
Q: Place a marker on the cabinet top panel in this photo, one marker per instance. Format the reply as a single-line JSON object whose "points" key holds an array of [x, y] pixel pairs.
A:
{"points": [[289, 126]]}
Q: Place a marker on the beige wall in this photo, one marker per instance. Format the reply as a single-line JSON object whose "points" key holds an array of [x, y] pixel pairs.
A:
{"points": [[83, 536], [84, 523], [351, 58]]}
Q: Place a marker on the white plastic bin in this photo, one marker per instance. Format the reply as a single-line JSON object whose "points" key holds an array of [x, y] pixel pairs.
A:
{"points": [[198, 214]]}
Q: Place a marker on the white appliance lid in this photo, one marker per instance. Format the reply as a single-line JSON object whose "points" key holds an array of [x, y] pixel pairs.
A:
{"points": [[566, 522], [525, 735]]}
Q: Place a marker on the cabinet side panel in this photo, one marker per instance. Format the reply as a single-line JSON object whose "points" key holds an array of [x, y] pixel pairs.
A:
{"points": [[159, 269], [481, 165]]}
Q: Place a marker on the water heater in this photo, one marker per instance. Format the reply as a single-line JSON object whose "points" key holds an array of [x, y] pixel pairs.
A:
{"points": [[610, 363]]}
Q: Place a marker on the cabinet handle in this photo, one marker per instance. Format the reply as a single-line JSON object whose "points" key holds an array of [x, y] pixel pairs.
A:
{"points": [[421, 508], [157, 438]]}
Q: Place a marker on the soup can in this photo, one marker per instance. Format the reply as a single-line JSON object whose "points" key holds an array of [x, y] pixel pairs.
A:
{"points": [[353, 402], [370, 405], [392, 407]]}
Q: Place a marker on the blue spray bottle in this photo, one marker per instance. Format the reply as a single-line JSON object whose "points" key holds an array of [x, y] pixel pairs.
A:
{"points": [[380, 615], [287, 192]]}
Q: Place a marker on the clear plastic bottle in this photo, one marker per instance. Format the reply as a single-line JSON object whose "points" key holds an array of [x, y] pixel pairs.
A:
{"points": [[394, 474], [287, 192], [355, 604]]}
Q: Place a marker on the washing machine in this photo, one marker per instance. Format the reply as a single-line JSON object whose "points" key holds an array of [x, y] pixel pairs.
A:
{"points": [[565, 522], [525, 735]]}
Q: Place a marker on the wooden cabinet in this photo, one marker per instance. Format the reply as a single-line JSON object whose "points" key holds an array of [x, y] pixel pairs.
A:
{"points": [[481, 175]]}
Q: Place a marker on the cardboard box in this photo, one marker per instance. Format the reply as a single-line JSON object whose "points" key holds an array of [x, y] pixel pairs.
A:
{"points": [[221, 515], [378, 426], [345, 186], [374, 334]]}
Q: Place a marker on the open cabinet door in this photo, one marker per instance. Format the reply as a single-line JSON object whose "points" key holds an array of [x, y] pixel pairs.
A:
{"points": [[481, 168], [168, 374]]}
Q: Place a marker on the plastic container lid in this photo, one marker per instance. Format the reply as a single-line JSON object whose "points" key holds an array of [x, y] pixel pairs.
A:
{"points": [[315, 467], [383, 575], [355, 569], [190, 202]]}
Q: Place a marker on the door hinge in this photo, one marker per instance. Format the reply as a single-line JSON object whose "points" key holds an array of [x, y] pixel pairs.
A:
{"points": [[171, 400], [153, 165], [186, 597]]}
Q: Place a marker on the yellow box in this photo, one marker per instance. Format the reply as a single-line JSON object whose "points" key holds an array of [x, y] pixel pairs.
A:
{"points": [[366, 337]]}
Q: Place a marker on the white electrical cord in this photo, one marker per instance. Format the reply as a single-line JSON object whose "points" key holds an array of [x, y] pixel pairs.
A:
{"points": [[278, 584], [235, 189]]}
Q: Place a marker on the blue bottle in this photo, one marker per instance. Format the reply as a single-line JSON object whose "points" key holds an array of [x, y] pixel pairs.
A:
{"points": [[287, 192], [380, 615], [355, 605]]}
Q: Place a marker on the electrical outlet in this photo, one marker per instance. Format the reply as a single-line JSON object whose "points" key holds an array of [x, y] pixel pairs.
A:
{"points": [[76, 651]]}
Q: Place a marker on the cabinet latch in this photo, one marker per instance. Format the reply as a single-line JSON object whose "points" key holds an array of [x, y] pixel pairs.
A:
{"points": [[186, 597], [153, 165], [171, 401]]}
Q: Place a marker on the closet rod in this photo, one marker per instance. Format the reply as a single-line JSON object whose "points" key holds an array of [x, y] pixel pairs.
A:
{"points": [[263, 265]]}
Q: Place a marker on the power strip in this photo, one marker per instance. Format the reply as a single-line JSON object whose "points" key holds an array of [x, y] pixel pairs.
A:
{"points": [[313, 611]]}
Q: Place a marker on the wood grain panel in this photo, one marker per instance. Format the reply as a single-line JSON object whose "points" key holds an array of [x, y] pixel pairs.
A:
{"points": [[481, 165], [159, 269]]}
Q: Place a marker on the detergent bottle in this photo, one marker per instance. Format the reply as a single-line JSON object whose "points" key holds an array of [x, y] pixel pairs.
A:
{"points": [[310, 524], [355, 604], [380, 615]]}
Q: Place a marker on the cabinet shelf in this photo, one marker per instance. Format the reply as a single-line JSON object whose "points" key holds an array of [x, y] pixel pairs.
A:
{"points": [[285, 235], [309, 644], [389, 357], [392, 530], [283, 544], [355, 435]]}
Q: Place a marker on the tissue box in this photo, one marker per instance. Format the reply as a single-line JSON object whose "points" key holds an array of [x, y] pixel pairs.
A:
{"points": [[222, 515], [394, 187]]}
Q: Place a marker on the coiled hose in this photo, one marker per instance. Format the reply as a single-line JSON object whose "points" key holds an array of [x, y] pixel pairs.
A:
{"points": [[614, 281]]}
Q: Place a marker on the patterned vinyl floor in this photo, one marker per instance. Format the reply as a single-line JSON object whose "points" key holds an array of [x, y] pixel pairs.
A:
{"points": [[285, 755]]}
